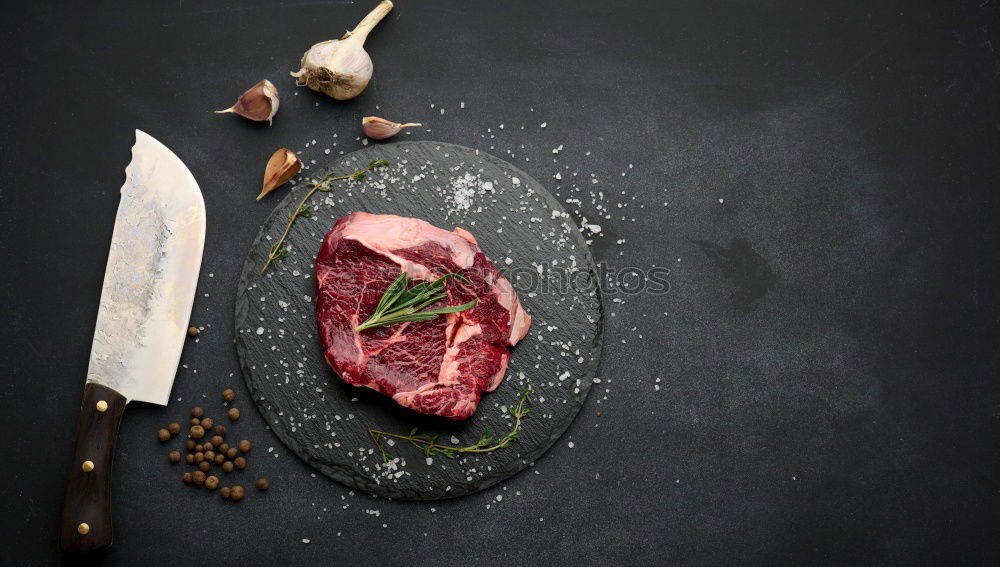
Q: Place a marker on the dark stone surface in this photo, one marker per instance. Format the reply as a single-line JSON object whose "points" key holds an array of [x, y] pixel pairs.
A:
{"points": [[519, 225], [850, 415]]}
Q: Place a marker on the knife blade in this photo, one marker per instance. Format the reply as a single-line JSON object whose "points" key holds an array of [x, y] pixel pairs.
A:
{"points": [[149, 287], [151, 276]]}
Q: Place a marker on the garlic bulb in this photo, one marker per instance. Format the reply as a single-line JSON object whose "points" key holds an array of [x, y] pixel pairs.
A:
{"points": [[259, 103], [341, 68], [379, 128], [282, 166]]}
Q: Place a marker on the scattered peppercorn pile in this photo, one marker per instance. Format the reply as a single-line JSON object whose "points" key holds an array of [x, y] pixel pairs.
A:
{"points": [[215, 452]]}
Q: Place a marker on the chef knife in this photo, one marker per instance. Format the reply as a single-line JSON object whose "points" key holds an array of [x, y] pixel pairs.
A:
{"points": [[149, 286]]}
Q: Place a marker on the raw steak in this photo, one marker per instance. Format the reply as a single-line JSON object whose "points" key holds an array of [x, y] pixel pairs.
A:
{"points": [[438, 367]]}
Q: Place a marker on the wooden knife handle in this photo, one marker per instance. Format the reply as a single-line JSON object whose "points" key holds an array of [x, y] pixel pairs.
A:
{"points": [[86, 516]]}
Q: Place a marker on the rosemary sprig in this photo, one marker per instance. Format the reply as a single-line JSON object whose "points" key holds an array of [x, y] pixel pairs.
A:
{"points": [[430, 447], [279, 250], [401, 305]]}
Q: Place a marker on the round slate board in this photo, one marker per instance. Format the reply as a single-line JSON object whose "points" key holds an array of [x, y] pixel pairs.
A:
{"points": [[531, 239]]}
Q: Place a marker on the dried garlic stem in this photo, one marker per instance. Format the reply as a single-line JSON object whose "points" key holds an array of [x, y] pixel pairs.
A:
{"points": [[369, 22]]}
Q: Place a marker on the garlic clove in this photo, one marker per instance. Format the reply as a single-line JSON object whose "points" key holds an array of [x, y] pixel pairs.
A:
{"points": [[341, 68], [282, 166], [379, 128], [258, 103]]}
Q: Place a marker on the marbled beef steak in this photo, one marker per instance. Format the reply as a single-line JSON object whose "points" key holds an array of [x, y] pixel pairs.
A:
{"points": [[438, 367]]}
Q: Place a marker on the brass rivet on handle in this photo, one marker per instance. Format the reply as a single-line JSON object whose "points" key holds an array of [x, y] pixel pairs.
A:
{"points": [[102, 406], [87, 466], [83, 529]]}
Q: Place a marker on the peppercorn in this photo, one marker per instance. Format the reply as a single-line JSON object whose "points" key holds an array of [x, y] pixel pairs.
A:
{"points": [[209, 447], [198, 477], [236, 493], [220, 429], [174, 428], [199, 447], [193, 331], [197, 432], [190, 458], [227, 466], [188, 477], [224, 492], [195, 421], [189, 445], [216, 440], [204, 466], [175, 457], [219, 458], [245, 446], [207, 423], [234, 414], [240, 463], [212, 483], [209, 455], [163, 435], [223, 448], [199, 457], [262, 484], [228, 395], [196, 411], [231, 452]]}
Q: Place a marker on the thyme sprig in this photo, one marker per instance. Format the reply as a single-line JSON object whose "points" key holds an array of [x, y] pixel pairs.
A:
{"points": [[428, 444], [401, 305], [324, 184]]}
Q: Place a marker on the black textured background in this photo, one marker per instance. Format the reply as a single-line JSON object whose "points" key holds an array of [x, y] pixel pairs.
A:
{"points": [[828, 365]]}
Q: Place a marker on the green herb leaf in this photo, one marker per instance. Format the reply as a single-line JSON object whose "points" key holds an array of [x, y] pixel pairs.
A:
{"points": [[453, 308], [393, 291], [430, 447], [401, 305]]}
